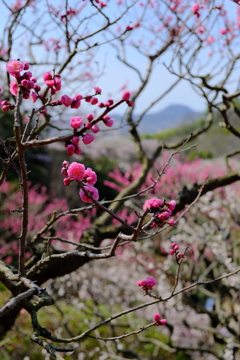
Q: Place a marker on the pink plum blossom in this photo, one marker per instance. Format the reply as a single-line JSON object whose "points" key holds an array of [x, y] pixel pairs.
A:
{"points": [[210, 40], [164, 215], [76, 171], [70, 149], [77, 150], [158, 320], [171, 222], [14, 67], [95, 129], [75, 140], [33, 96], [92, 191], [14, 87], [90, 176], [126, 95], [108, 121], [157, 317], [76, 122], [87, 139], [67, 181], [147, 284], [109, 102], [171, 205], [130, 103], [94, 101], [152, 204], [89, 117], [37, 88], [66, 100], [97, 89]]}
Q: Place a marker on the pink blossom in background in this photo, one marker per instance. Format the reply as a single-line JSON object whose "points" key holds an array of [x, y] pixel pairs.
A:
{"points": [[76, 171], [210, 40], [93, 192], [224, 31], [129, 28], [195, 9]]}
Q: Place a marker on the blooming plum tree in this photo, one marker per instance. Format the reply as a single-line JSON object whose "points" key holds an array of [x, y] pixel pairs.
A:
{"points": [[34, 252]]}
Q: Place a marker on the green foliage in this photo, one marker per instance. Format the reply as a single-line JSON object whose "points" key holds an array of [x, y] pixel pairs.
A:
{"points": [[202, 154], [217, 141]]}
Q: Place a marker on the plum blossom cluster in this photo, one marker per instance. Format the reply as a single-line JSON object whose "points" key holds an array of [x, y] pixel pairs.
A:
{"points": [[26, 82], [53, 82], [76, 122], [86, 177], [69, 14], [159, 321], [162, 210], [147, 284], [195, 9], [175, 251]]}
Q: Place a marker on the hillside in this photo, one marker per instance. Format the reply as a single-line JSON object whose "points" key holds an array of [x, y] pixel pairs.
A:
{"points": [[170, 117]]}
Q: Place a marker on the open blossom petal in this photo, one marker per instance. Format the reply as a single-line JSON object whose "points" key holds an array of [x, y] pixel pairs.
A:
{"points": [[152, 204], [14, 87], [76, 171], [90, 176], [147, 284], [14, 67], [33, 96], [93, 192]]}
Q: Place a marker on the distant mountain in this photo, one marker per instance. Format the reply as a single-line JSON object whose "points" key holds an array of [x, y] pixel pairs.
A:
{"points": [[171, 116]]}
